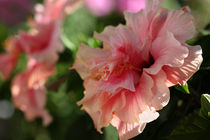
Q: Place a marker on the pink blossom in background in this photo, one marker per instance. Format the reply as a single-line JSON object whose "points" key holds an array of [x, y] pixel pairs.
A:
{"points": [[104, 7], [100, 7], [28, 91], [41, 44], [130, 5], [128, 81], [13, 12]]}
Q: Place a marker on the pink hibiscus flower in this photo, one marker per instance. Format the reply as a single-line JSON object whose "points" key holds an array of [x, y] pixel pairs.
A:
{"points": [[42, 44], [128, 81], [28, 90]]}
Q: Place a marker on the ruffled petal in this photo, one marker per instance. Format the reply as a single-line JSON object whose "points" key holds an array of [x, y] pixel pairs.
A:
{"points": [[140, 22], [161, 91], [116, 38], [125, 81], [180, 75], [87, 59], [127, 130], [180, 23], [166, 50], [137, 102]]}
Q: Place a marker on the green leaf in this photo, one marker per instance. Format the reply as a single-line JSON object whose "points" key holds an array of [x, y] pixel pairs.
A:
{"points": [[94, 43], [183, 89], [171, 4], [196, 125], [205, 106], [61, 102], [205, 32], [77, 28], [191, 127], [111, 133]]}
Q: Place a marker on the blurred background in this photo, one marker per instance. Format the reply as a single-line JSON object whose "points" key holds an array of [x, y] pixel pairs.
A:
{"points": [[180, 119]]}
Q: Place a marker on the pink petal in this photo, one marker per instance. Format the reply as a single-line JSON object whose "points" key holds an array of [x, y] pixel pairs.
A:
{"points": [[8, 62], [126, 81], [161, 91], [130, 130], [140, 22], [127, 130], [28, 91], [166, 50], [88, 58], [137, 102], [180, 75], [180, 23], [93, 105], [92, 89], [113, 104]]}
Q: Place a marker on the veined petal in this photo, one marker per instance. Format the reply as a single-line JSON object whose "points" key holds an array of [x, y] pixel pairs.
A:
{"points": [[140, 22], [161, 91], [125, 81], [138, 101], [166, 50], [180, 23], [180, 75], [127, 130], [88, 58]]}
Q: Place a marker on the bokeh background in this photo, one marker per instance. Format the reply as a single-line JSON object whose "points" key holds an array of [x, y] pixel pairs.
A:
{"points": [[180, 119]]}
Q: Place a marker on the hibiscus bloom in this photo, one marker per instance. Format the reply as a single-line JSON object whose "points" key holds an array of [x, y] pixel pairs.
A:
{"points": [[28, 90], [41, 44], [128, 81]]}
